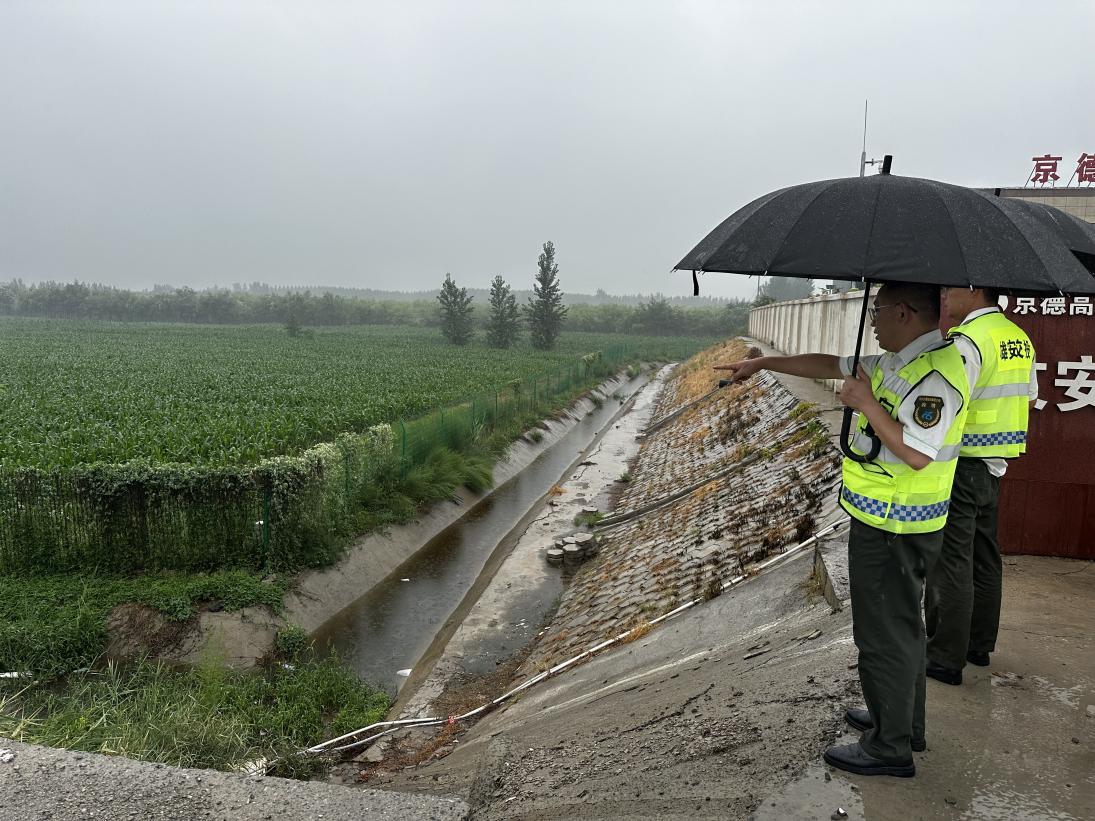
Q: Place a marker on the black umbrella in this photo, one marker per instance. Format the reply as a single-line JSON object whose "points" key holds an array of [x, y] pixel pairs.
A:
{"points": [[885, 228]]}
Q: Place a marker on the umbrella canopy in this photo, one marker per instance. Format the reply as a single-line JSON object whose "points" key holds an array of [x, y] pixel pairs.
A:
{"points": [[888, 228]]}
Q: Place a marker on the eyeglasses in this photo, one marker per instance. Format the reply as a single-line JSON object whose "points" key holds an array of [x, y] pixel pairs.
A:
{"points": [[874, 309]]}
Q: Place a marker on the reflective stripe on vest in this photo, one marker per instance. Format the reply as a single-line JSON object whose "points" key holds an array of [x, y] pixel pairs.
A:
{"points": [[902, 513], [981, 440], [996, 426], [888, 494]]}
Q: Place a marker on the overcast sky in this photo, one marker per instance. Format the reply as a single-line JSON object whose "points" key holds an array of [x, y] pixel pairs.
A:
{"points": [[383, 144]]}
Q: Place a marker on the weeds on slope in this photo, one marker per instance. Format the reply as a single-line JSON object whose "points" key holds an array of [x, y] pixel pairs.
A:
{"points": [[203, 717]]}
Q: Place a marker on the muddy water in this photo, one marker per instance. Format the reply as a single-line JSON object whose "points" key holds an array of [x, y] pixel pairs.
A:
{"points": [[384, 634]]}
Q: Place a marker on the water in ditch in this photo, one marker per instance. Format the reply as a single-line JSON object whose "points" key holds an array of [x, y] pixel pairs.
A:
{"points": [[384, 634]]}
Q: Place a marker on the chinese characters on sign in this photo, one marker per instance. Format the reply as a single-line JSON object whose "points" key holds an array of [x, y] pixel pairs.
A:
{"points": [[1080, 386], [1085, 168], [1045, 169], [1053, 306]]}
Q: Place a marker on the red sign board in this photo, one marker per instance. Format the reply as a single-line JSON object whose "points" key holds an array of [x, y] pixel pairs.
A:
{"points": [[1047, 497]]}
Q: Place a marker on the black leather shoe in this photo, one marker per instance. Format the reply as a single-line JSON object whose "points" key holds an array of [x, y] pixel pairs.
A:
{"points": [[853, 759], [943, 674], [980, 659], [861, 720]]}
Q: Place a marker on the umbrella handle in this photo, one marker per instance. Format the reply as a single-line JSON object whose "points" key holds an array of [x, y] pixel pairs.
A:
{"points": [[846, 425], [845, 438]]}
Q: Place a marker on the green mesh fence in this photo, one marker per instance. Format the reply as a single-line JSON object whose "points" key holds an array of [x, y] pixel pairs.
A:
{"points": [[282, 513]]}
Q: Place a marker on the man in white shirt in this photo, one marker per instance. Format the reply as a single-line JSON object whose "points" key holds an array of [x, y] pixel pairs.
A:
{"points": [[912, 398], [962, 597]]}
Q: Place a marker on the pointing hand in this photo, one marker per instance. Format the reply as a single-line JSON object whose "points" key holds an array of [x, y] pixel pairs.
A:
{"points": [[742, 369]]}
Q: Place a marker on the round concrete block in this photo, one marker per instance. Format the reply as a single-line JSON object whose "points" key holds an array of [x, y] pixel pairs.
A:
{"points": [[573, 554], [554, 556]]}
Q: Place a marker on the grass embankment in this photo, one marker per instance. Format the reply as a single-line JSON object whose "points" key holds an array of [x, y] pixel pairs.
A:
{"points": [[50, 625], [54, 629]]}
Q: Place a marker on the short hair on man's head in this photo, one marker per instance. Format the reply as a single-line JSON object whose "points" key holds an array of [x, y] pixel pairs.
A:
{"points": [[993, 294], [924, 299]]}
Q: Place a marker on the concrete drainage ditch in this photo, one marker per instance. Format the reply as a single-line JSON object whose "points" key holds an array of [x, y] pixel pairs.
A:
{"points": [[663, 547]]}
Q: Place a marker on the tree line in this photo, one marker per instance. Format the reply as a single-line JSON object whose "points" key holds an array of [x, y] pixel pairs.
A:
{"points": [[453, 311], [599, 297]]}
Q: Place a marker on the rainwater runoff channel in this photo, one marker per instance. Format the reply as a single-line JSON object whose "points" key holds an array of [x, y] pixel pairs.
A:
{"points": [[406, 620]]}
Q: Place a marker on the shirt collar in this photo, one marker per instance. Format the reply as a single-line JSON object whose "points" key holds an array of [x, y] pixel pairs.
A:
{"points": [[924, 342], [972, 315]]}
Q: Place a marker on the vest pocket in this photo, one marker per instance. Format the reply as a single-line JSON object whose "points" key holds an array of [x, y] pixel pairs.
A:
{"points": [[981, 417], [867, 495]]}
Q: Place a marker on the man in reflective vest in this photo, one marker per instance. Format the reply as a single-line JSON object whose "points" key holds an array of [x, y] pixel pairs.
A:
{"points": [[962, 601], [913, 398]]}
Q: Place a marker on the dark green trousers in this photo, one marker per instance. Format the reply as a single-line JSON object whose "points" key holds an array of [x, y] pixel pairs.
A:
{"points": [[962, 601], [886, 575]]}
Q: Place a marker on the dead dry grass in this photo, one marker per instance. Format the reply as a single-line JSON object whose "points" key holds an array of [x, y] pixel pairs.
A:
{"points": [[696, 376]]}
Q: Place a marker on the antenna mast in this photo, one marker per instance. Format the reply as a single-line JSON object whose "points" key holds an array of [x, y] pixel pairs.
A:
{"points": [[863, 155]]}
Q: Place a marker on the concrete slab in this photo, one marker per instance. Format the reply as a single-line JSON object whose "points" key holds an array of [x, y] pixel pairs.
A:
{"points": [[678, 724], [1016, 739], [40, 782]]}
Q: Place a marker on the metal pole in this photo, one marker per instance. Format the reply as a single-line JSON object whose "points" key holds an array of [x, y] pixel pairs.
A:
{"points": [[863, 155]]}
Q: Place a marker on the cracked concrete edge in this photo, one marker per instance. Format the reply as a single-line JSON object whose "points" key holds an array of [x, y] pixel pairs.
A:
{"points": [[831, 569], [42, 782]]}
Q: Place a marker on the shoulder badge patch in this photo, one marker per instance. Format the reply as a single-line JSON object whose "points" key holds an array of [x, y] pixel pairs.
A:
{"points": [[928, 410]]}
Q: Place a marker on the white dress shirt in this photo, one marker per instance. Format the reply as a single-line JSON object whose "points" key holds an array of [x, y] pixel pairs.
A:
{"points": [[926, 440]]}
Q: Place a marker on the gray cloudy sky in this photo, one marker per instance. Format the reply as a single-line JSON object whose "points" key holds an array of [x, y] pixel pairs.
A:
{"points": [[383, 144]]}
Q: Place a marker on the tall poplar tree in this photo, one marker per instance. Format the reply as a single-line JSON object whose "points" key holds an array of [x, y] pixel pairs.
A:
{"points": [[456, 311], [545, 310], [502, 327]]}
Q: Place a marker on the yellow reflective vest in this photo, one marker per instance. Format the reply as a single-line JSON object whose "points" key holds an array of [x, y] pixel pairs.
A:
{"points": [[888, 494], [996, 425]]}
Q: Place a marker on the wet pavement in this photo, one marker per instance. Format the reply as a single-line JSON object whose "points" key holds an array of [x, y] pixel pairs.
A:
{"points": [[1015, 739]]}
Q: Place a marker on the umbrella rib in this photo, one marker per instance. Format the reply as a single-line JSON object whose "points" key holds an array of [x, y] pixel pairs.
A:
{"points": [[1026, 239], [791, 227], [870, 234], [957, 241]]}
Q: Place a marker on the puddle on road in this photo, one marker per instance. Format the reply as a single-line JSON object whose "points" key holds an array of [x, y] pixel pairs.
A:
{"points": [[812, 795], [1003, 802], [390, 627]]}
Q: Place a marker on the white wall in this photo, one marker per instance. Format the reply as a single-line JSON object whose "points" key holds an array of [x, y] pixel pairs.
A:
{"points": [[821, 324]]}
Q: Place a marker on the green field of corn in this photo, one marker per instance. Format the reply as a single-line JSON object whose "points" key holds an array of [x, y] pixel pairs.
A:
{"points": [[76, 393], [196, 448]]}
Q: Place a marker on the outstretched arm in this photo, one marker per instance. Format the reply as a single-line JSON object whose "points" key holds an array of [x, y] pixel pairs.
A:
{"points": [[812, 365]]}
